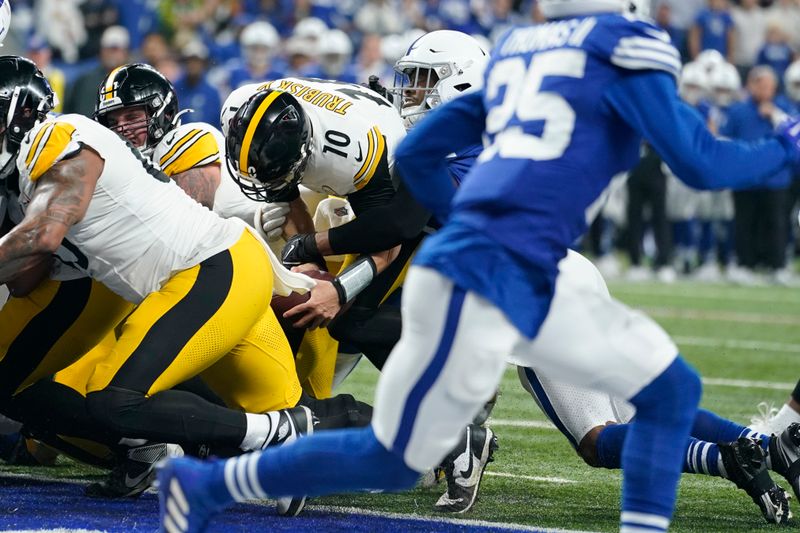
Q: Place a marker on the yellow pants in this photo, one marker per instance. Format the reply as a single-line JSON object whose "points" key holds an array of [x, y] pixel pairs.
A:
{"points": [[52, 327], [211, 320]]}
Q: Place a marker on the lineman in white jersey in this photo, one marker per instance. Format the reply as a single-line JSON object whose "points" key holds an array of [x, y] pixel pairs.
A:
{"points": [[202, 286], [140, 104]]}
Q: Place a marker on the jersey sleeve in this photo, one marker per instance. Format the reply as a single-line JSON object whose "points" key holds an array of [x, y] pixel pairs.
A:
{"points": [[46, 145], [634, 44], [375, 150], [187, 147]]}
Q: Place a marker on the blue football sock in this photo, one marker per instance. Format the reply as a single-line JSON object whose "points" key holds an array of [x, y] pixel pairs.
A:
{"points": [[701, 458], [713, 428], [325, 463], [652, 456], [609, 445]]}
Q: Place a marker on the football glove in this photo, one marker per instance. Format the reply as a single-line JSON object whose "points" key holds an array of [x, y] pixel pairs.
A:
{"points": [[270, 218], [301, 249]]}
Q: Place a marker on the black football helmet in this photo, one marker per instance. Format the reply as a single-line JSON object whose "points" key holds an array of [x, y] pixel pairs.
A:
{"points": [[135, 85], [268, 144], [25, 99]]}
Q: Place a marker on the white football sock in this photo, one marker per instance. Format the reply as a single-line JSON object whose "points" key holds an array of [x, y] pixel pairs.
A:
{"points": [[785, 418], [259, 428]]}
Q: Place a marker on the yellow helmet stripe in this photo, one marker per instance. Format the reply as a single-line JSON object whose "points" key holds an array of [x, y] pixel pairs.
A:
{"points": [[251, 129], [108, 92]]}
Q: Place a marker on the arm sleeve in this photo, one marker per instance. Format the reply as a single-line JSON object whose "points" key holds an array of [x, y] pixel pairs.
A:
{"points": [[649, 103], [381, 228], [421, 159]]}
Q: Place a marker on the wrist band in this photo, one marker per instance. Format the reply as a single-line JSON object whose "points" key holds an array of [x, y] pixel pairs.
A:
{"points": [[355, 279]]}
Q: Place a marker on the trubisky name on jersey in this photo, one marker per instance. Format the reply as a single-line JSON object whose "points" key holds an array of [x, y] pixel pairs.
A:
{"points": [[317, 97], [553, 35]]}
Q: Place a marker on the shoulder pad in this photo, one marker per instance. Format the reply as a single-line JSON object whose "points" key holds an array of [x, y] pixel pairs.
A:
{"points": [[187, 146], [44, 146], [634, 44]]}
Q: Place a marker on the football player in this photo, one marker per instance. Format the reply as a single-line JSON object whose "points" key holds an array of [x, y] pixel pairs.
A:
{"points": [[56, 312], [201, 284], [335, 139], [436, 68], [580, 414], [559, 98]]}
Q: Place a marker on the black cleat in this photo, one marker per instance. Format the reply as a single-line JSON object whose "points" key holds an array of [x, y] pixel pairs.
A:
{"points": [[464, 469], [292, 424], [745, 463], [135, 472], [784, 456]]}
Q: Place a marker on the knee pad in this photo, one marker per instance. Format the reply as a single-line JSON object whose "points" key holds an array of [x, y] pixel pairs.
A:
{"points": [[113, 407]]}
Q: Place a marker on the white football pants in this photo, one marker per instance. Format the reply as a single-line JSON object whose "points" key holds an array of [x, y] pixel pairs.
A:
{"points": [[455, 345]]}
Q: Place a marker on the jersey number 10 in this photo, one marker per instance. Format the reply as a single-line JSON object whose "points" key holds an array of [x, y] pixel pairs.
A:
{"points": [[525, 100]]}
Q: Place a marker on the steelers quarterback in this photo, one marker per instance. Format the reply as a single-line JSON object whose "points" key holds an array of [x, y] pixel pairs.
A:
{"points": [[336, 139]]}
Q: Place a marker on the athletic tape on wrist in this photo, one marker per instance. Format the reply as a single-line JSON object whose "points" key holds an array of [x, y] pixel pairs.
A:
{"points": [[355, 279]]}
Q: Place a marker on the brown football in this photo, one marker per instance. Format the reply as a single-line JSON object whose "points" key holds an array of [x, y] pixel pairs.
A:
{"points": [[281, 304]]}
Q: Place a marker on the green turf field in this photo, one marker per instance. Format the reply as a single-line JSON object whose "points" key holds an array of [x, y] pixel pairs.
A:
{"points": [[744, 341]]}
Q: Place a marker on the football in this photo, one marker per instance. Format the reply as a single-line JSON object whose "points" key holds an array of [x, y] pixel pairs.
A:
{"points": [[281, 304]]}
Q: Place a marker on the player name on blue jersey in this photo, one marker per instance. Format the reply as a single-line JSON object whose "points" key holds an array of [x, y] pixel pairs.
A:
{"points": [[554, 35]]}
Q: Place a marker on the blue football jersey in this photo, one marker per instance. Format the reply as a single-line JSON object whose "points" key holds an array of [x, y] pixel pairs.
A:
{"points": [[553, 144], [461, 162], [563, 110]]}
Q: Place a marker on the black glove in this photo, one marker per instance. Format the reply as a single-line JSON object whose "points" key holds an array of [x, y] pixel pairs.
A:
{"points": [[375, 85], [300, 249]]}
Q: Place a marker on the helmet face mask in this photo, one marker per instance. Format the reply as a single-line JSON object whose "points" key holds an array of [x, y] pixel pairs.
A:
{"points": [[137, 86], [415, 88], [438, 67], [268, 144]]}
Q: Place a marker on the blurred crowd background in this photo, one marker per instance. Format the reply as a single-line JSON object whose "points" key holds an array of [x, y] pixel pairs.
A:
{"points": [[741, 75]]}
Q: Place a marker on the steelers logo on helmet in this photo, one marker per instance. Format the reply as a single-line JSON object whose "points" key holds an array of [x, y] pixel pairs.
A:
{"points": [[268, 143]]}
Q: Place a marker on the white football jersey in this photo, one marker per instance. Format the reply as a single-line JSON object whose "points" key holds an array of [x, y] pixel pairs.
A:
{"points": [[197, 144], [140, 227], [353, 129]]}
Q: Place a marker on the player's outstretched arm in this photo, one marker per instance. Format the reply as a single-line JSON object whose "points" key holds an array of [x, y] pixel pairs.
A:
{"points": [[650, 104], [59, 201], [420, 160]]}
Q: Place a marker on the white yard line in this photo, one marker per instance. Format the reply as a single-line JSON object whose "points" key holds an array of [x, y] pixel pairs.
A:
{"points": [[500, 526], [739, 344], [722, 316], [540, 479], [699, 292], [748, 384], [537, 424]]}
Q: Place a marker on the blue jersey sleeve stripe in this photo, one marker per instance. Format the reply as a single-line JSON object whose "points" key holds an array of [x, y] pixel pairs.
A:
{"points": [[645, 64], [641, 53], [641, 42]]}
